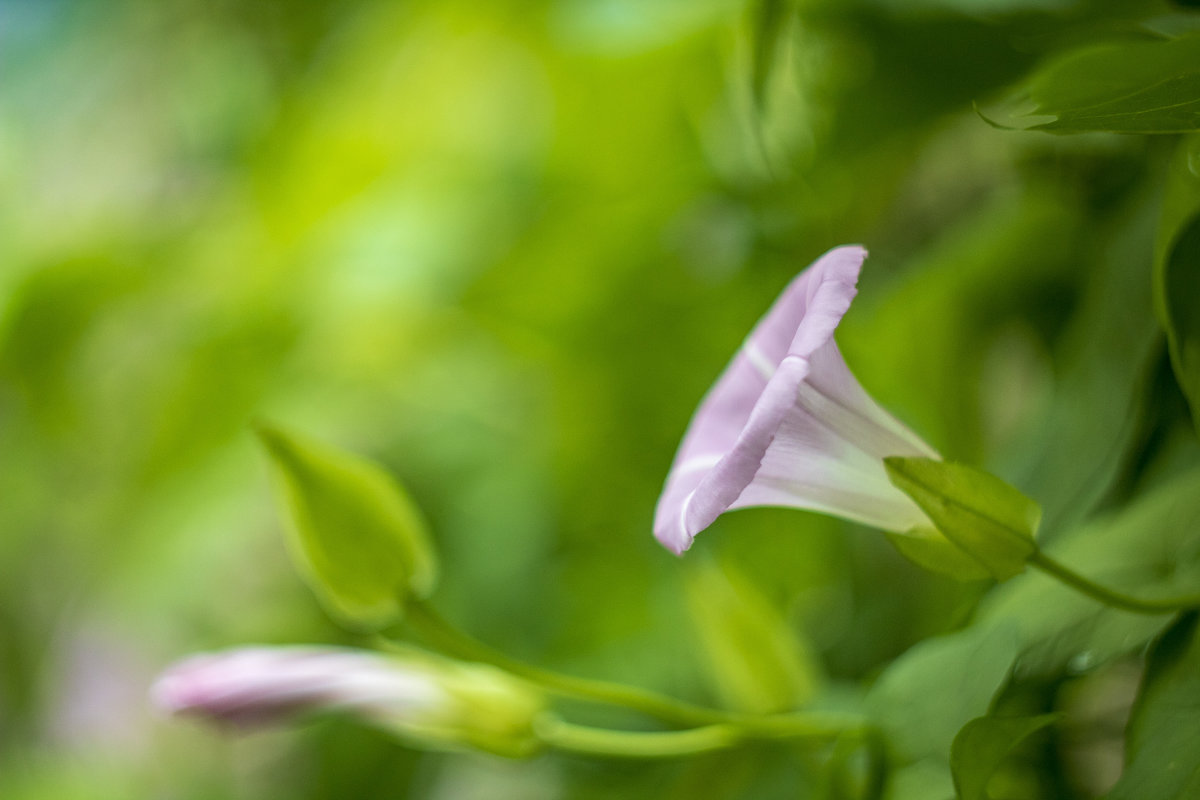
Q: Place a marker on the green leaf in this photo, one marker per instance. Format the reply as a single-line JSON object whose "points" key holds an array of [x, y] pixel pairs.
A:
{"points": [[354, 533], [981, 746], [926, 695], [1107, 358], [987, 518], [1150, 548], [857, 768], [770, 24], [1129, 87], [1163, 740], [1034, 626], [1177, 270], [930, 550], [757, 661], [928, 779]]}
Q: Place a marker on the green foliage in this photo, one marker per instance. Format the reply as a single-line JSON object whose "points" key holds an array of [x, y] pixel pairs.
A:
{"points": [[858, 767], [758, 661], [985, 517], [981, 746], [1163, 750], [1177, 270], [1130, 87], [1150, 546], [505, 248], [354, 533], [962, 671], [770, 24], [1072, 457], [1034, 628]]}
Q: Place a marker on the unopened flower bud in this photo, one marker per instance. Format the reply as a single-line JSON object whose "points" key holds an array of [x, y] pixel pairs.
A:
{"points": [[426, 700]]}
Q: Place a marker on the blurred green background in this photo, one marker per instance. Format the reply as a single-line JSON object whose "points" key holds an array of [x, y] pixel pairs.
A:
{"points": [[504, 248]]}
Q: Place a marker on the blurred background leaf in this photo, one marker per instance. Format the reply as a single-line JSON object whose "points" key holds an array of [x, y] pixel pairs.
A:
{"points": [[1133, 87], [503, 249], [1177, 269], [759, 663], [981, 746], [1161, 746], [354, 534]]}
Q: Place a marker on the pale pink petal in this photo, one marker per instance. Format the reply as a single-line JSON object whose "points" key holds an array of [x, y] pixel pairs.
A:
{"points": [[787, 424], [269, 684]]}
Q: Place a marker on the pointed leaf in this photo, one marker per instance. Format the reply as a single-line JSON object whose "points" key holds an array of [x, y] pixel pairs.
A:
{"points": [[354, 533], [757, 662], [987, 518], [1149, 548], [1177, 270], [1162, 750], [1128, 87], [770, 24], [924, 697], [983, 744]]}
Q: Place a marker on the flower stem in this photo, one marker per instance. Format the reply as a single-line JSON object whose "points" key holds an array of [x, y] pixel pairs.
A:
{"points": [[1109, 597], [590, 741], [440, 633]]}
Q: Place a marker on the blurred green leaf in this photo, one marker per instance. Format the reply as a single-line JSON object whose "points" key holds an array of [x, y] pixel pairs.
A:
{"points": [[918, 341], [354, 533], [1177, 270], [757, 661], [1130, 87], [925, 696], [857, 767], [1107, 353], [981, 746], [1035, 626], [1163, 740], [1180, 271], [990, 520], [1150, 548], [770, 25], [924, 780]]}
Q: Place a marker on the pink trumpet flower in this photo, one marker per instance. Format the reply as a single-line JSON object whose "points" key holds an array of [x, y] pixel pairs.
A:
{"points": [[787, 424]]}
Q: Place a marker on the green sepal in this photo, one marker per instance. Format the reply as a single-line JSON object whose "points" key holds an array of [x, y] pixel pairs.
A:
{"points": [[353, 532], [929, 549], [990, 520]]}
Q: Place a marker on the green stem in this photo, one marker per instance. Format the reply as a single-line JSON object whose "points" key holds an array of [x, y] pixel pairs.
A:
{"points": [[590, 741], [1109, 597], [441, 634]]}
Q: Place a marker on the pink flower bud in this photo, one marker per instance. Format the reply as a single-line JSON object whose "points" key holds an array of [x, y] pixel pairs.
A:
{"points": [[428, 700]]}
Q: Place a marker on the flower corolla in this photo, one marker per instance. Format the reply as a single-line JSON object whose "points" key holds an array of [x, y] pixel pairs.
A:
{"points": [[787, 424]]}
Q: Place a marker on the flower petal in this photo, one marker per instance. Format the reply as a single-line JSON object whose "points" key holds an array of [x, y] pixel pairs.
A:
{"points": [[788, 424], [267, 684]]}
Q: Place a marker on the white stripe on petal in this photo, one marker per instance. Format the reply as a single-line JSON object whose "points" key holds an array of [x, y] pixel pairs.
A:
{"points": [[758, 360], [697, 464], [810, 438]]}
